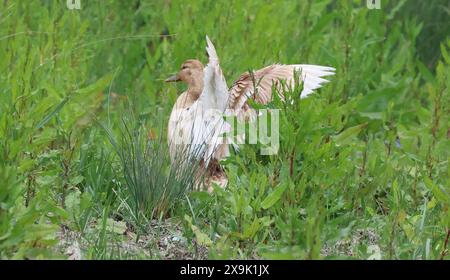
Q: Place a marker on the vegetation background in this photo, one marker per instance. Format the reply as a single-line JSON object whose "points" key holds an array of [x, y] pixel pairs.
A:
{"points": [[363, 169]]}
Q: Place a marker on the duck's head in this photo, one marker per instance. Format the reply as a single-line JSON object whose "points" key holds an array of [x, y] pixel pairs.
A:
{"points": [[191, 72]]}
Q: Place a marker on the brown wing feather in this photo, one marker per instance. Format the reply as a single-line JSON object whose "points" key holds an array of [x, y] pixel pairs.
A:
{"points": [[265, 78], [244, 87]]}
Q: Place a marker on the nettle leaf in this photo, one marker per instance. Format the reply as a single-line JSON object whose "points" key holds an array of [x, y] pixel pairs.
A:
{"points": [[273, 197]]}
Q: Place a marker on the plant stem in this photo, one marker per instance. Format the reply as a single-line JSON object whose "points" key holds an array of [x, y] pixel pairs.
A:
{"points": [[445, 251]]}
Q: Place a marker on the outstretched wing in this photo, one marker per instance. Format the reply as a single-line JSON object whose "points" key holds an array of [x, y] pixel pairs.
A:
{"points": [[209, 125], [263, 79], [215, 90]]}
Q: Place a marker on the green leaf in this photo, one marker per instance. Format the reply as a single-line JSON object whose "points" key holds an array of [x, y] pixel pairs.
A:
{"points": [[73, 202], [252, 229], [77, 180], [201, 237], [346, 136], [426, 73], [445, 54], [436, 190], [273, 197], [26, 165], [50, 115], [372, 115], [118, 227], [97, 86]]}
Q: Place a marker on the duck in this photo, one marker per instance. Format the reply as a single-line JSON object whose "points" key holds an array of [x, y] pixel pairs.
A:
{"points": [[196, 125]]}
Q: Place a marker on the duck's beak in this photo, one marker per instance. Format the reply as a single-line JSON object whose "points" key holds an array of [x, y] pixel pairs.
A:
{"points": [[173, 78]]}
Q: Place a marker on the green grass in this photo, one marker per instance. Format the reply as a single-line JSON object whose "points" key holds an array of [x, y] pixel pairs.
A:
{"points": [[363, 168]]}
